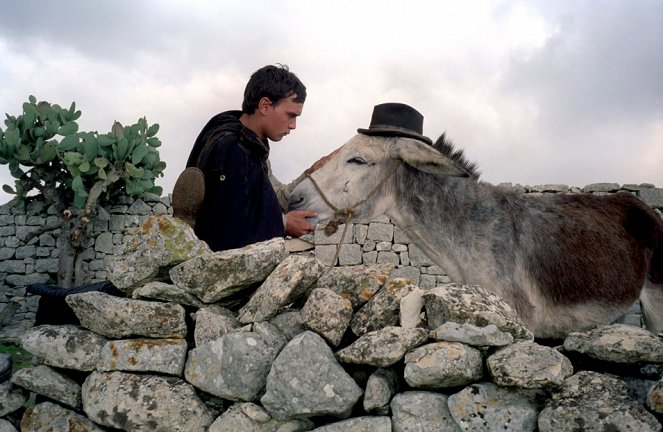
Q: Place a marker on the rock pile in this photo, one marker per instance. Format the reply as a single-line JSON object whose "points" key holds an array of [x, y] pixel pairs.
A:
{"points": [[255, 339]]}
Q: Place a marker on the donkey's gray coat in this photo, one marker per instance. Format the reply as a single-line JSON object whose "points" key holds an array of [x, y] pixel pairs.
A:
{"points": [[563, 262]]}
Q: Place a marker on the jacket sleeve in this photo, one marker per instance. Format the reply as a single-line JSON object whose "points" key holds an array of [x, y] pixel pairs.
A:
{"points": [[283, 191]]}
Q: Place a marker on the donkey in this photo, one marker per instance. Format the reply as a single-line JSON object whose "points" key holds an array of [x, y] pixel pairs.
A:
{"points": [[564, 262]]}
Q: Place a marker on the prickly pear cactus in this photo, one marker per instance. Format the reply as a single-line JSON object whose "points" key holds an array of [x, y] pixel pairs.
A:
{"points": [[47, 153]]}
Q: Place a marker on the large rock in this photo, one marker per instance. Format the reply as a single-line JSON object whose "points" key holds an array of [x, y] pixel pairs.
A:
{"points": [[306, 380], [215, 276], [593, 401], [167, 292], [421, 411], [381, 386], [358, 424], [287, 283], [382, 309], [144, 403], [48, 382], [471, 304], [249, 417], [165, 356], [529, 365], [117, 317], [233, 367], [64, 346], [160, 243], [384, 347], [442, 365], [617, 343], [212, 322], [328, 314], [356, 283], [487, 407], [48, 416]]}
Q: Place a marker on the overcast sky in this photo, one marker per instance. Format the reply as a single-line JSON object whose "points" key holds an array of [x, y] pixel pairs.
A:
{"points": [[536, 92]]}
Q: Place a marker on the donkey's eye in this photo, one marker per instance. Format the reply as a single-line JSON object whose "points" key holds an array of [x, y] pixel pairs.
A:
{"points": [[357, 160]]}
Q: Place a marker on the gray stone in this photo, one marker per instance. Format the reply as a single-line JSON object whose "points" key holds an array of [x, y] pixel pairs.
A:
{"points": [[417, 257], [593, 401], [555, 188], [356, 283], [415, 411], [601, 187], [48, 416], [159, 244], [380, 231], [469, 334], [233, 367], [307, 381], [383, 347], [12, 398], [104, 243], [320, 238], [64, 346], [349, 254], [441, 365], [6, 426], [117, 317], [214, 276], [46, 381], [487, 407], [617, 343], [287, 282], [144, 403], [381, 310], [529, 365], [328, 314], [653, 197], [381, 386], [410, 311], [167, 292], [249, 417], [212, 322], [289, 323], [654, 399], [471, 304], [165, 356], [358, 424]]}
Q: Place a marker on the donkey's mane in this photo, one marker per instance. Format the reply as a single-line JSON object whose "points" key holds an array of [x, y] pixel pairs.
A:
{"points": [[446, 147]]}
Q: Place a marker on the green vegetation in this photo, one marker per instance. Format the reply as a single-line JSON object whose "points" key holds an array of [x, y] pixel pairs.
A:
{"points": [[76, 171], [21, 358]]}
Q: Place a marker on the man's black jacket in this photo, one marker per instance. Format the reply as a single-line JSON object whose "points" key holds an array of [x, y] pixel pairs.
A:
{"points": [[240, 206]]}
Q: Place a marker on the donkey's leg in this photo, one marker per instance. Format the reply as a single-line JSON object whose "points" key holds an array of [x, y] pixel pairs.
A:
{"points": [[652, 306]]}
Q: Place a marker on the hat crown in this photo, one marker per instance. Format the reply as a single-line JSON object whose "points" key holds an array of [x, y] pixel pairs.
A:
{"points": [[396, 119]]}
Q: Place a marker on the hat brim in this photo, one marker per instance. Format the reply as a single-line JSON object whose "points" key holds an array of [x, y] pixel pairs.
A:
{"points": [[378, 131]]}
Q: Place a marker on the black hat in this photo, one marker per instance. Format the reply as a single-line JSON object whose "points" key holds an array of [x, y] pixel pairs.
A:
{"points": [[396, 119]]}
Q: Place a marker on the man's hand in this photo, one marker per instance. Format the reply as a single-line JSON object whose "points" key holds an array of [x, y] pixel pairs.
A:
{"points": [[296, 224], [320, 162]]}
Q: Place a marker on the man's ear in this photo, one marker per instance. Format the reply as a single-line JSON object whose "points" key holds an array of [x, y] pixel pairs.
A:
{"points": [[264, 104]]}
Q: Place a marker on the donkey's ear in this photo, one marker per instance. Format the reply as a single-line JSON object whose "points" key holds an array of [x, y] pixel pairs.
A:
{"points": [[425, 158]]}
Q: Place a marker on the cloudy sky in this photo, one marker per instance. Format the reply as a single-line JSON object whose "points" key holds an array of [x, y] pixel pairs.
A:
{"points": [[536, 92]]}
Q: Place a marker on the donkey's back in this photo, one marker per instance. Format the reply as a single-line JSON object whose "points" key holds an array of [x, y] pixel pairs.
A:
{"points": [[591, 258]]}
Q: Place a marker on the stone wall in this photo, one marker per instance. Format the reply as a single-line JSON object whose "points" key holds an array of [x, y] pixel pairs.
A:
{"points": [[36, 261], [199, 343]]}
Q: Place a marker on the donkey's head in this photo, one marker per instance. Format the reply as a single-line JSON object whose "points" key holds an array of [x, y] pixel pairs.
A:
{"points": [[360, 177]]}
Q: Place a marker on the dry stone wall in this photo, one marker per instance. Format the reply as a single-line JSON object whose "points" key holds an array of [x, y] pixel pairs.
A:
{"points": [[195, 342], [379, 242]]}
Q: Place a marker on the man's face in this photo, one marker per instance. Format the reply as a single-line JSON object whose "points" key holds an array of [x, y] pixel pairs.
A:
{"points": [[281, 118]]}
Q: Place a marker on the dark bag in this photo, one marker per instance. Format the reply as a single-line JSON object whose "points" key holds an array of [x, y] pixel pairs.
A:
{"points": [[189, 189], [188, 195]]}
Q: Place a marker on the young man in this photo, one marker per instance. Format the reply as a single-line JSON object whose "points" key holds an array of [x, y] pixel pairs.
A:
{"points": [[243, 202]]}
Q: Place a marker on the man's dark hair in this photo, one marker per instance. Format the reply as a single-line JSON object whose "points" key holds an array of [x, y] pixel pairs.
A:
{"points": [[274, 83]]}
